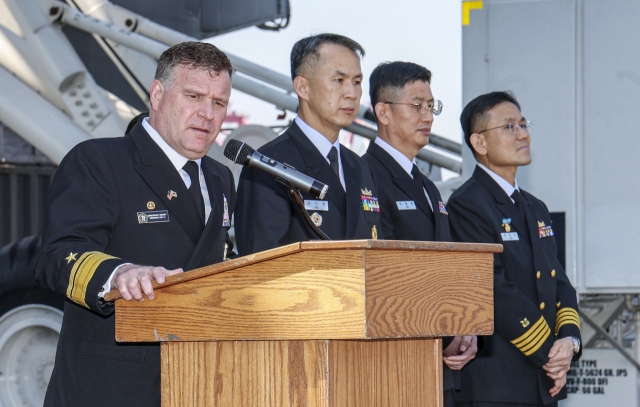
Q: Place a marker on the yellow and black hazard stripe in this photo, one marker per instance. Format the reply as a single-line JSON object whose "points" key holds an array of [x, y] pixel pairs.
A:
{"points": [[533, 339], [82, 273], [566, 316]]}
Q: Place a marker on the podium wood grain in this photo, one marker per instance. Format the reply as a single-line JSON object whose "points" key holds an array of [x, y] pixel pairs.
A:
{"points": [[315, 324], [244, 373], [351, 294], [340, 373]]}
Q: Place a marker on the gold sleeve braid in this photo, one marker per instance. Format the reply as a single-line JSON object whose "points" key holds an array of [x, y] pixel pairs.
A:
{"points": [[533, 339], [566, 316], [82, 273]]}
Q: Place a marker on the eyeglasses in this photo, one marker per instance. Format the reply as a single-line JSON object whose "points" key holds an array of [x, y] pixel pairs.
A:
{"points": [[514, 127], [435, 106]]}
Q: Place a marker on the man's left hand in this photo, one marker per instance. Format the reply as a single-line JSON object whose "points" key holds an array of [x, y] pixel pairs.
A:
{"points": [[558, 384], [468, 348], [559, 359]]}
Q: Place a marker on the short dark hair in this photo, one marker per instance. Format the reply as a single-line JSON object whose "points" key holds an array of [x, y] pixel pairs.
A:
{"points": [[394, 76], [476, 113], [194, 55], [305, 52]]}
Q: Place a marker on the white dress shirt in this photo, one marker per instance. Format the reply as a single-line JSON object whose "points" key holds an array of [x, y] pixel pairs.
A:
{"points": [[504, 184], [322, 144], [401, 159], [178, 161]]}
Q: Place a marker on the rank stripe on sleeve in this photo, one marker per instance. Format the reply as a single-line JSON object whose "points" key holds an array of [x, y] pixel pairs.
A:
{"points": [[533, 339], [566, 316], [81, 274]]}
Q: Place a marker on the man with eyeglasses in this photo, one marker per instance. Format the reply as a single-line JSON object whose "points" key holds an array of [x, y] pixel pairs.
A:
{"points": [[412, 208], [537, 327]]}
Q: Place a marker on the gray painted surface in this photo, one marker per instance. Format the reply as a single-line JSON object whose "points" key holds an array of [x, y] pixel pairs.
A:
{"points": [[612, 143], [574, 66]]}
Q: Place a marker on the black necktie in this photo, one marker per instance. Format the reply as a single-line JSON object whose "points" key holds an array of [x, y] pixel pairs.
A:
{"points": [[191, 168], [516, 196], [417, 177], [418, 180], [333, 161]]}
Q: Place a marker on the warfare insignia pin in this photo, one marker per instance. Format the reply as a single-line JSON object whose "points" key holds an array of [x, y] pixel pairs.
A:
{"points": [[525, 323], [365, 192], [506, 224], [443, 209], [225, 216], [151, 205], [316, 218], [374, 232], [171, 194], [540, 224], [71, 257]]}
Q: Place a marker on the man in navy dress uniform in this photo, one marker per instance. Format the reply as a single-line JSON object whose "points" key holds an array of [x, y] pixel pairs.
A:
{"points": [[123, 212], [327, 78], [537, 327], [412, 208]]}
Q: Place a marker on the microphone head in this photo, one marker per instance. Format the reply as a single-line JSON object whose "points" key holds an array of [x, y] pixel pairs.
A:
{"points": [[238, 152]]}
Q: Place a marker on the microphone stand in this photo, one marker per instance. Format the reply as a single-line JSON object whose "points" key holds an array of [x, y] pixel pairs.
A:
{"points": [[296, 198]]}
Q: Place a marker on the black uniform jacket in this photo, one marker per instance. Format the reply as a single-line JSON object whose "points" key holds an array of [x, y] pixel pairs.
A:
{"points": [[534, 301], [397, 186], [420, 223], [93, 224], [266, 218]]}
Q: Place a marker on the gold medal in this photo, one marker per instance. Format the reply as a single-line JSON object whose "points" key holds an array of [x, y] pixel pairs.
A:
{"points": [[374, 232]]}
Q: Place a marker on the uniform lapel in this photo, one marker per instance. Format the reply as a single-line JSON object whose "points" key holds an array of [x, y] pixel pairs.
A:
{"points": [[504, 203], [355, 212], [160, 174], [318, 168], [443, 234], [214, 223], [400, 178]]}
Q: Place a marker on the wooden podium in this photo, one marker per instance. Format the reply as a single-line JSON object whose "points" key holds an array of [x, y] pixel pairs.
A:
{"points": [[339, 323]]}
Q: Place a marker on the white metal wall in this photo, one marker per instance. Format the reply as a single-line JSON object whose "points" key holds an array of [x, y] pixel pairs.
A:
{"points": [[574, 65]]}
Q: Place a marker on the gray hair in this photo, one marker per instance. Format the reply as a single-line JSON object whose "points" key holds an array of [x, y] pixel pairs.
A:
{"points": [[194, 55], [304, 53]]}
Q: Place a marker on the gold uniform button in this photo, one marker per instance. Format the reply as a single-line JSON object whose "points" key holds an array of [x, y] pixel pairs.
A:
{"points": [[538, 274], [553, 273], [542, 305]]}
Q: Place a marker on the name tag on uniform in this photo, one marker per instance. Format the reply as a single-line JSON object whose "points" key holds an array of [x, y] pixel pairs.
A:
{"points": [[510, 236], [406, 205], [153, 217], [316, 205]]}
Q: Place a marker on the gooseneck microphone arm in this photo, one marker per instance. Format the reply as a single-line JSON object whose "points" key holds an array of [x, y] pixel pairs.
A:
{"points": [[296, 197], [241, 153]]}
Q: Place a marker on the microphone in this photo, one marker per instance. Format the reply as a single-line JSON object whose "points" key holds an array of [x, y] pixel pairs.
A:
{"points": [[241, 153]]}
